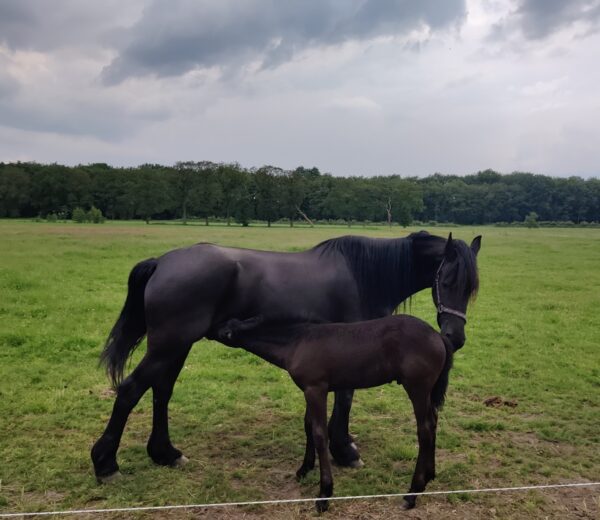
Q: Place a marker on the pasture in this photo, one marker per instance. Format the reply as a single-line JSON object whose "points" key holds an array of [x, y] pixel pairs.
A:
{"points": [[532, 343]]}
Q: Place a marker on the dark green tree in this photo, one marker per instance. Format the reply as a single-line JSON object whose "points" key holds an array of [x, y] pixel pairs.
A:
{"points": [[15, 190], [268, 193], [150, 191], [232, 180], [206, 194], [293, 193]]}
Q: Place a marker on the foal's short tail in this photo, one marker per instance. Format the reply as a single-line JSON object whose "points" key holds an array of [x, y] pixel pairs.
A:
{"points": [[130, 328], [438, 393]]}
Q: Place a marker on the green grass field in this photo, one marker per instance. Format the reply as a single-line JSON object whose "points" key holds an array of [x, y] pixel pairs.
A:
{"points": [[532, 340]]}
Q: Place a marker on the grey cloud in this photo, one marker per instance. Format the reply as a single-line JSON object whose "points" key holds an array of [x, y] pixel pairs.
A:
{"points": [[538, 19], [8, 85], [100, 119], [43, 26], [542, 17], [175, 36]]}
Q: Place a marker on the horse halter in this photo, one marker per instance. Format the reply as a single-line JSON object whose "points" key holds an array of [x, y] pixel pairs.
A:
{"points": [[441, 308]]}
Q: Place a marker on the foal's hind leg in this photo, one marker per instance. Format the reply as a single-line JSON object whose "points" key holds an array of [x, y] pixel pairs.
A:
{"points": [[426, 426], [159, 447], [316, 410]]}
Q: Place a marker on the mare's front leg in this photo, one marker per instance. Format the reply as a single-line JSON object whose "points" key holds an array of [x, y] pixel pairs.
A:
{"points": [[316, 410], [342, 447], [426, 427]]}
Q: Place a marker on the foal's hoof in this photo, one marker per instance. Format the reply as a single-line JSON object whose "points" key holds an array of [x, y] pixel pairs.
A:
{"points": [[180, 462], [408, 504], [107, 479], [322, 505], [302, 472]]}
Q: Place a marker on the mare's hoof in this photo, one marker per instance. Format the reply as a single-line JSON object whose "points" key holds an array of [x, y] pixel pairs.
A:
{"points": [[107, 479], [358, 463], [322, 505], [407, 504], [180, 462], [346, 455]]}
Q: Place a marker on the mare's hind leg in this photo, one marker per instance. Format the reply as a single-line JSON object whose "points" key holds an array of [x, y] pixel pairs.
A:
{"points": [[159, 447], [342, 447], [159, 368], [426, 427], [129, 392]]}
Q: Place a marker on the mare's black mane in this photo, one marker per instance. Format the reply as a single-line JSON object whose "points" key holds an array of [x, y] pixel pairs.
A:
{"points": [[382, 268]]}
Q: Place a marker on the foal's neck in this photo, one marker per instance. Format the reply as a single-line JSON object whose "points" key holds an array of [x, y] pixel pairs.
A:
{"points": [[269, 347]]}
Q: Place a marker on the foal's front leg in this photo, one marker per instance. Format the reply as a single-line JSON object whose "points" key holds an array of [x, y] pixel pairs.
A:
{"points": [[426, 427], [316, 411], [309, 454]]}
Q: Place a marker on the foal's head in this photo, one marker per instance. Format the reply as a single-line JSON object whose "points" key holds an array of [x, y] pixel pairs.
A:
{"points": [[456, 282]]}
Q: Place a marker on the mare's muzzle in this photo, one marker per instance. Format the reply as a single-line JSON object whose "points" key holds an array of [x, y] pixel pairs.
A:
{"points": [[453, 328]]}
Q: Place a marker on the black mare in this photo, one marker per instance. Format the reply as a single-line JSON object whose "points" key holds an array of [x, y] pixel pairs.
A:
{"points": [[184, 295], [322, 358]]}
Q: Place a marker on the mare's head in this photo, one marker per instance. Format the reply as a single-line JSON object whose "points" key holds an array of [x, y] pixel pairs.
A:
{"points": [[456, 282]]}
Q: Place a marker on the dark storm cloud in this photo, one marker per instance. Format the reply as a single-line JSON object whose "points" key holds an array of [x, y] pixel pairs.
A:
{"points": [[175, 36], [537, 19]]}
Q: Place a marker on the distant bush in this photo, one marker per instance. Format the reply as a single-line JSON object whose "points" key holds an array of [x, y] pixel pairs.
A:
{"points": [[79, 215], [531, 220], [51, 217], [95, 215]]}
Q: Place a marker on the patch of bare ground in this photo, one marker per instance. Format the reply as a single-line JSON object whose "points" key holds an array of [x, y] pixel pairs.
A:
{"points": [[531, 441]]}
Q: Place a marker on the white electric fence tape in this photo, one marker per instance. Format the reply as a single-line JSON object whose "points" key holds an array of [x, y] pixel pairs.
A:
{"points": [[290, 501]]}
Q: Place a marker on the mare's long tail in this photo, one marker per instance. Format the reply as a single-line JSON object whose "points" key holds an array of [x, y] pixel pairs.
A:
{"points": [[438, 393], [130, 328]]}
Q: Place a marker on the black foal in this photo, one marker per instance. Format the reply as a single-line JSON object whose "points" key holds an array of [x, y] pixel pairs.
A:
{"points": [[330, 357], [322, 358]]}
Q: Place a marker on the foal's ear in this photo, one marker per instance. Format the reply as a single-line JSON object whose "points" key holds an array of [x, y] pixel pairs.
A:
{"points": [[476, 244], [450, 251]]}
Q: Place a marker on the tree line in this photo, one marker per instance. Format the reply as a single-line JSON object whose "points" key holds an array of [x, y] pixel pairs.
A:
{"points": [[231, 193]]}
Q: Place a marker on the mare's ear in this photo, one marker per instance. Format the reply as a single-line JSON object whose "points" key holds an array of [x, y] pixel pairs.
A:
{"points": [[476, 244], [450, 250]]}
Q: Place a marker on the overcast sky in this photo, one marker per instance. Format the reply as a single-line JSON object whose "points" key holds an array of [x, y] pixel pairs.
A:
{"points": [[354, 87]]}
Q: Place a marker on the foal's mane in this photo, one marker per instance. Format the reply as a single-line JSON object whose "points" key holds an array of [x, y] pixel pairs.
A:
{"points": [[382, 268]]}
